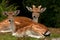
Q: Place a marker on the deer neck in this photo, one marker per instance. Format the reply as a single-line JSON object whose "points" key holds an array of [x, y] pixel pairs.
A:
{"points": [[12, 24]]}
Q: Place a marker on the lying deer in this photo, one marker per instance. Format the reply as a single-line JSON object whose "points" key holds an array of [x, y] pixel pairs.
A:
{"points": [[23, 26], [36, 11]]}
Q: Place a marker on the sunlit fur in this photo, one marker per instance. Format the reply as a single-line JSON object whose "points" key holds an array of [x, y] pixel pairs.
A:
{"points": [[22, 22], [24, 26]]}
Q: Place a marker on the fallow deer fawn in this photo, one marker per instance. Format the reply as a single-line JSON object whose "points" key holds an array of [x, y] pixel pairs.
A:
{"points": [[36, 11], [23, 26]]}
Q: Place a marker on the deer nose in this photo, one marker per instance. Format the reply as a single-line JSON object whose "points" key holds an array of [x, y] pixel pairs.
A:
{"points": [[34, 16], [47, 33], [9, 20]]}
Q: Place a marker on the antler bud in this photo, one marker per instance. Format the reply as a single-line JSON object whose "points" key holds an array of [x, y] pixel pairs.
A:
{"points": [[29, 8], [39, 6], [33, 6]]}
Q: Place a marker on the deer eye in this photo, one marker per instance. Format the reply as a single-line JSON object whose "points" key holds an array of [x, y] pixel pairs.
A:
{"points": [[34, 17], [9, 20]]}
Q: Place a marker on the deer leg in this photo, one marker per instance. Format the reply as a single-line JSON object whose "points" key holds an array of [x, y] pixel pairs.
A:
{"points": [[30, 34]]}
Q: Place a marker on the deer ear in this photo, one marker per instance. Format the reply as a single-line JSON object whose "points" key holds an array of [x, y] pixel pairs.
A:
{"points": [[16, 12], [33, 6], [5, 13], [42, 10]]}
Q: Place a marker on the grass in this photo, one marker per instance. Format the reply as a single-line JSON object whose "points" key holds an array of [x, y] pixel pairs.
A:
{"points": [[54, 34], [7, 36]]}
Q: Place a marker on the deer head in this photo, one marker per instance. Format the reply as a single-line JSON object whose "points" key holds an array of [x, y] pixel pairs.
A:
{"points": [[11, 15], [36, 11]]}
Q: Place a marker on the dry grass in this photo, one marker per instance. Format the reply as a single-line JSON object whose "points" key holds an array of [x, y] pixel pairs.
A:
{"points": [[55, 32]]}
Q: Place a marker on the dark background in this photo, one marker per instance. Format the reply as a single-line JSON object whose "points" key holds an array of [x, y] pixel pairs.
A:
{"points": [[21, 8], [50, 18]]}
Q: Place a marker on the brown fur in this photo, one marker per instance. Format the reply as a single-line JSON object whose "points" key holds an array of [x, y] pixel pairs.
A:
{"points": [[24, 21], [23, 24], [4, 24], [27, 23]]}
